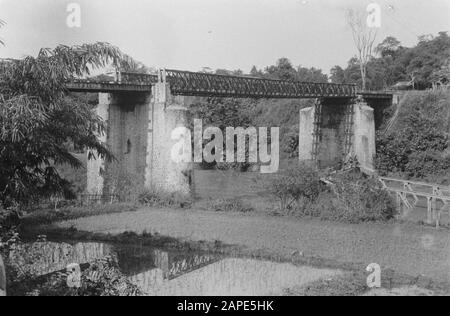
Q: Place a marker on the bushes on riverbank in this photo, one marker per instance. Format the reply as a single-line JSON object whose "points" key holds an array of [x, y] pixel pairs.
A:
{"points": [[356, 198], [350, 197], [294, 185], [236, 205], [159, 198]]}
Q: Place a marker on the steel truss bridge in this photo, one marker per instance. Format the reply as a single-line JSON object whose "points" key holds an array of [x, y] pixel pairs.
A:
{"points": [[211, 85]]}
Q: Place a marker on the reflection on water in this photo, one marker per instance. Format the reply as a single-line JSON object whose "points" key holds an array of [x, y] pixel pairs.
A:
{"points": [[160, 272], [231, 277], [42, 258], [134, 261]]}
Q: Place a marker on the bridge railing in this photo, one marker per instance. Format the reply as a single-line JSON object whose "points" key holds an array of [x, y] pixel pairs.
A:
{"points": [[136, 78]]}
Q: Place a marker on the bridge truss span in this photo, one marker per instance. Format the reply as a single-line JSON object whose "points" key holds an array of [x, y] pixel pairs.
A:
{"points": [[213, 85], [204, 84]]}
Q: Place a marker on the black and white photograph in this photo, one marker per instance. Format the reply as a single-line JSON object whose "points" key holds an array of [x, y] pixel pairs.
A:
{"points": [[224, 155]]}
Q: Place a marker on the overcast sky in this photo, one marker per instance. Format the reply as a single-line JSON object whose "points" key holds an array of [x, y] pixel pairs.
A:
{"points": [[230, 34]]}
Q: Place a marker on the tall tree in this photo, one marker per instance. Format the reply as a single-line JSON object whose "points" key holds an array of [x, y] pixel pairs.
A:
{"points": [[430, 54], [364, 38], [337, 74], [388, 47], [254, 72], [441, 77], [37, 118], [282, 70], [311, 75]]}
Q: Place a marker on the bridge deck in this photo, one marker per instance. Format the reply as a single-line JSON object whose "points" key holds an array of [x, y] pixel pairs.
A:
{"points": [[211, 85], [107, 87]]}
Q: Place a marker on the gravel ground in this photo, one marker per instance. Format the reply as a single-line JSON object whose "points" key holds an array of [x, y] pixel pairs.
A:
{"points": [[409, 249]]}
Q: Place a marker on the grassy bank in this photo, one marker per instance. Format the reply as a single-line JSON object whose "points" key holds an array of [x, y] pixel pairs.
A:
{"points": [[50, 216]]}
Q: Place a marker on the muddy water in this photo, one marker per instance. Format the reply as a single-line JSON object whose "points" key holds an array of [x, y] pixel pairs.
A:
{"points": [[165, 272]]}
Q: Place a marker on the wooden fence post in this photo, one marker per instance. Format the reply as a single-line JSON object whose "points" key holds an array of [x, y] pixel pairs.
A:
{"points": [[429, 210], [2, 278], [399, 205]]}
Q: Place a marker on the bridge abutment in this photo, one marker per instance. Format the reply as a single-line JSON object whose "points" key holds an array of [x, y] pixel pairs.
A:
{"points": [[336, 129]]}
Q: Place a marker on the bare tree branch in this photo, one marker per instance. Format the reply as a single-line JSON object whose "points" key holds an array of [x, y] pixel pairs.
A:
{"points": [[364, 39]]}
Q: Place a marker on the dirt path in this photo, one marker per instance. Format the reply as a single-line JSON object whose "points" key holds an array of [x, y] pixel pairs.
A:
{"points": [[409, 249]]}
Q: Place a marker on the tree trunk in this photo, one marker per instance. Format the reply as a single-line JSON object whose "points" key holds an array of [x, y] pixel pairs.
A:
{"points": [[363, 76]]}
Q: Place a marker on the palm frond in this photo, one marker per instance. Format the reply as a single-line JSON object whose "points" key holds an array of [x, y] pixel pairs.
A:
{"points": [[46, 74], [38, 119]]}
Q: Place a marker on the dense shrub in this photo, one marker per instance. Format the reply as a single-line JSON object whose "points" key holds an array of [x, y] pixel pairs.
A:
{"points": [[224, 112], [38, 119], [298, 182], [121, 183], [354, 199], [324, 206], [230, 205], [418, 142], [9, 224], [101, 278], [159, 198], [9, 218], [128, 188], [238, 166], [76, 177]]}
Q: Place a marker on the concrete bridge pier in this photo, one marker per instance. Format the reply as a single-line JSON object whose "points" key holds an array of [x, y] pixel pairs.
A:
{"points": [[95, 163], [167, 113], [336, 129], [139, 134]]}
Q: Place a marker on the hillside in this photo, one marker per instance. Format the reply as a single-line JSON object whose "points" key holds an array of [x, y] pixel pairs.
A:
{"points": [[415, 140]]}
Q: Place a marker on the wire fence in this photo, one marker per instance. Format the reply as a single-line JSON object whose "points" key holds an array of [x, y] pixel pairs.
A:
{"points": [[99, 198], [84, 200]]}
